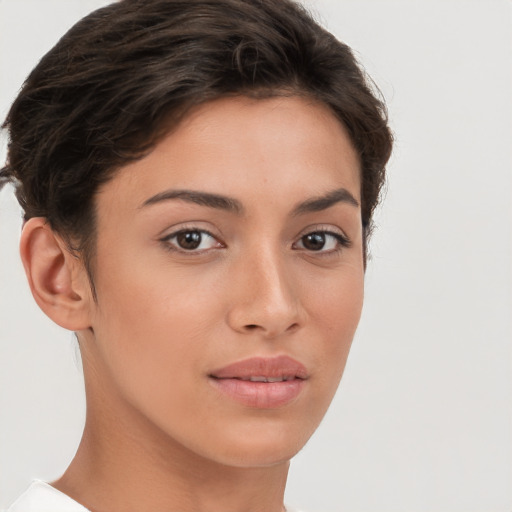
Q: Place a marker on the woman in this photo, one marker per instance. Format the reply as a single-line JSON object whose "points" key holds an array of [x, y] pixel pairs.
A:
{"points": [[198, 180]]}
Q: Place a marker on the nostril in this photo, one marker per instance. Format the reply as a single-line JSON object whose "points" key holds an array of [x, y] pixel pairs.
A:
{"points": [[293, 327], [253, 327]]}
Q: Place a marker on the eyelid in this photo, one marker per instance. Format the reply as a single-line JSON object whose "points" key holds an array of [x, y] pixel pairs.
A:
{"points": [[331, 230], [185, 229], [191, 225], [324, 228], [334, 231], [165, 239]]}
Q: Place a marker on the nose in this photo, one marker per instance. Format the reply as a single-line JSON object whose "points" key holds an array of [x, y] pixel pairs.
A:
{"points": [[264, 299]]}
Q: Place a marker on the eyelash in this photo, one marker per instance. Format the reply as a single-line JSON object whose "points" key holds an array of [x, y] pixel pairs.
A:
{"points": [[166, 240], [341, 239]]}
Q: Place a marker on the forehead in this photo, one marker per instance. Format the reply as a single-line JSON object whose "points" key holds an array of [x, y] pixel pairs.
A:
{"points": [[248, 147]]}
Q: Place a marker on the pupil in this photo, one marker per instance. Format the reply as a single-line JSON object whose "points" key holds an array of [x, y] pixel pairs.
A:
{"points": [[189, 239], [314, 241]]}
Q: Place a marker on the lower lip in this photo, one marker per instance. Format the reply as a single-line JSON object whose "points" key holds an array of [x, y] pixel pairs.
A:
{"points": [[262, 395]]}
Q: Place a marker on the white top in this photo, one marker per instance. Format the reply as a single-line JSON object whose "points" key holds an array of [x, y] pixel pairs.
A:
{"points": [[42, 497]]}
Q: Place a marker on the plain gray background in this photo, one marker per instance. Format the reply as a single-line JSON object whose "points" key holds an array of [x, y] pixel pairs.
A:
{"points": [[423, 419]]}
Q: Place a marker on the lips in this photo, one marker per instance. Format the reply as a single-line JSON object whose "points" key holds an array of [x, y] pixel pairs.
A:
{"points": [[261, 382], [275, 367]]}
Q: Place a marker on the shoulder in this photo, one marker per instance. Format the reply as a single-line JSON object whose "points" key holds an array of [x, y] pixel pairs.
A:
{"points": [[42, 497]]}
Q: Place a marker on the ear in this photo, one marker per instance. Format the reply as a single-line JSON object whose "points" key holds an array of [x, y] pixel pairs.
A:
{"points": [[57, 278]]}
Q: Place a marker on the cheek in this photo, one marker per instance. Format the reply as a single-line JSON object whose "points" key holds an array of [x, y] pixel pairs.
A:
{"points": [[143, 319], [336, 300], [335, 310], [151, 340], [157, 315], [147, 312]]}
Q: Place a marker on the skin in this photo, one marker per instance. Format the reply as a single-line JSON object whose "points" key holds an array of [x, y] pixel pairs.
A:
{"points": [[158, 435]]}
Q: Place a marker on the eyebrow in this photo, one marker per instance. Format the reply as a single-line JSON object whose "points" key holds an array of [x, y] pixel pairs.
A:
{"points": [[201, 198], [218, 201], [318, 204]]}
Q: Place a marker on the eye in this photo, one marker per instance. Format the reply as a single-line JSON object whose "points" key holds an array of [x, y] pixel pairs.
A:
{"points": [[191, 240], [322, 241]]}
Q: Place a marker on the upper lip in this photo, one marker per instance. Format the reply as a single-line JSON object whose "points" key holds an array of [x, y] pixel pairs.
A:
{"points": [[270, 367]]}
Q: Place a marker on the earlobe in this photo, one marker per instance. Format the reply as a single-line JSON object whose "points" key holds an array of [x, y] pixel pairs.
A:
{"points": [[56, 277]]}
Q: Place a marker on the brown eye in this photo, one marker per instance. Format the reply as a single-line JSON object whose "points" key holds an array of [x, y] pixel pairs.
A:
{"points": [[189, 240], [313, 241], [323, 242]]}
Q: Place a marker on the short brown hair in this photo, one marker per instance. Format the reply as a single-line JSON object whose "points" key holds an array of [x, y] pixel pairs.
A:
{"points": [[125, 75]]}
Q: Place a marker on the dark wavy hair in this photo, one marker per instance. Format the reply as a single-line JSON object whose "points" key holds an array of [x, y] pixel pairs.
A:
{"points": [[124, 76]]}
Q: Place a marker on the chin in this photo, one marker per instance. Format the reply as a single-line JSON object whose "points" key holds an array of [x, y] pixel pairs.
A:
{"points": [[260, 445], [257, 456]]}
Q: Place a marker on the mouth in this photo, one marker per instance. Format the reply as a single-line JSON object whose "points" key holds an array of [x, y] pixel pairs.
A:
{"points": [[263, 369], [265, 383], [261, 378]]}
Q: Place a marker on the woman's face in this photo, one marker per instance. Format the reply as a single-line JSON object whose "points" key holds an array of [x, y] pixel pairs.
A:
{"points": [[229, 275]]}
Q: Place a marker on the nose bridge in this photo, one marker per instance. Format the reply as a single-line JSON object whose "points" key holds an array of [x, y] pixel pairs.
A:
{"points": [[271, 277], [264, 298]]}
